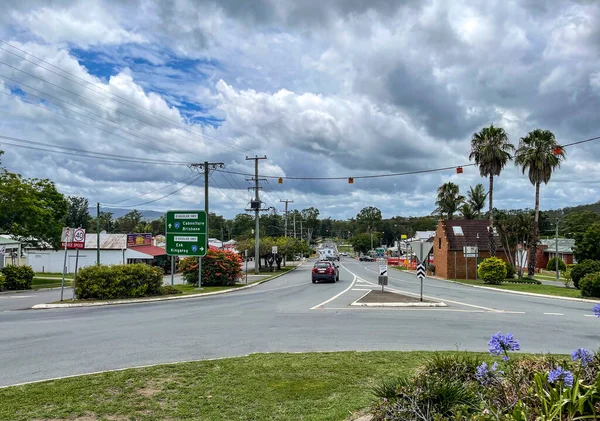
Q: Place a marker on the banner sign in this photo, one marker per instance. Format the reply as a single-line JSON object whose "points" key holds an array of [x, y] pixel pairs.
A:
{"points": [[139, 240]]}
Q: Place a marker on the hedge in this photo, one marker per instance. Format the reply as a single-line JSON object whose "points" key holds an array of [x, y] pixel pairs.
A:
{"points": [[492, 270], [590, 285], [17, 277], [118, 281], [581, 269], [552, 265]]}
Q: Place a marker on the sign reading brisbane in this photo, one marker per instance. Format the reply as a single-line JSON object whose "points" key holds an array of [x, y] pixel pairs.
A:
{"points": [[186, 233]]}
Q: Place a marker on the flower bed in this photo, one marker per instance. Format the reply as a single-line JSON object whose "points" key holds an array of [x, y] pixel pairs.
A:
{"points": [[466, 388]]}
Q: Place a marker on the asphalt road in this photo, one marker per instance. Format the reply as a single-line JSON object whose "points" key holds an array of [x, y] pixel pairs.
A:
{"points": [[288, 314]]}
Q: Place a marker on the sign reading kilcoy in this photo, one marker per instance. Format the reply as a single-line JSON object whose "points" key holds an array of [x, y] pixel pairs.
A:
{"points": [[186, 233]]}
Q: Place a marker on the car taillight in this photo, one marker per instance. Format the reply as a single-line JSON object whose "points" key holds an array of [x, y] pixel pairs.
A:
{"points": [[314, 270], [330, 270]]}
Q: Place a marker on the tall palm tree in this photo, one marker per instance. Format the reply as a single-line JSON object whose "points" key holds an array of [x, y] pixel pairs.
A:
{"points": [[491, 150], [540, 156], [476, 199], [448, 199], [467, 211]]}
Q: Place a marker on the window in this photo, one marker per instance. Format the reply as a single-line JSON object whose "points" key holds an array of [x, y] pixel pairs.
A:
{"points": [[440, 243], [457, 230]]}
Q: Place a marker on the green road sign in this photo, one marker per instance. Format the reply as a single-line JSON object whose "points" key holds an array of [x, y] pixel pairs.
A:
{"points": [[186, 233]]}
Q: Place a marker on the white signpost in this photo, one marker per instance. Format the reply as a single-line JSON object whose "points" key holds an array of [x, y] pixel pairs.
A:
{"points": [[383, 276], [71, 238]]}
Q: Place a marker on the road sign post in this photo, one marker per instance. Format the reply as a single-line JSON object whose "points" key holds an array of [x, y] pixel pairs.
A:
{"points": [[383, 276], [186, 235]]}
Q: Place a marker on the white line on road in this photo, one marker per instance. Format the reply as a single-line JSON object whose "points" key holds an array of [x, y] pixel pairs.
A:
{"points": [[337, 295], [553, 314], [17, 296], [362, 289]]}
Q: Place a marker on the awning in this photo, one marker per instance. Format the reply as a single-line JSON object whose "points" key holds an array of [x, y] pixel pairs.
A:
{"points": [[149, 250]]}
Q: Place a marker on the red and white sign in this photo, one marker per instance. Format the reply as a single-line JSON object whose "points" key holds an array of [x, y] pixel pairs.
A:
{"points": [[73, 238]]}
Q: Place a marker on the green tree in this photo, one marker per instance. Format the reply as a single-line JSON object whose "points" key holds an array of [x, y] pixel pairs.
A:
{"points": [[31, 209], [491, 150], [536, 156], [476, 199], [310, 217], [128, 223], [78, 215], [578, 222], [369, 220], [242, 226], [467, 212], [362, 242], [448, 200], [107, 222], [587, 244]]}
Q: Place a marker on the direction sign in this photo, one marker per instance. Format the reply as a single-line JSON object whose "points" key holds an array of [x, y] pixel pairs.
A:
{"points": [[421, 249], [421, 271], [274, 249], [186, 233], [383, 270]]}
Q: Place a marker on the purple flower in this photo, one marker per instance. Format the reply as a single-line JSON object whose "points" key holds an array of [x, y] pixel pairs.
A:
{"points": [[559, 374], [583, 355], [500, 345], [485, 375], [597, 310]]}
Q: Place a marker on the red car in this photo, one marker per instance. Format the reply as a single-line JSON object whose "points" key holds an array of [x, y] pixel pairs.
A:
{"points": [[325, 271]]}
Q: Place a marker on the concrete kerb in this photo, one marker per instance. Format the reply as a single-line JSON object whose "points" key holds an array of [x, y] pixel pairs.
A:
{"points": [[440, 304], [531, 294], [151, 300]]}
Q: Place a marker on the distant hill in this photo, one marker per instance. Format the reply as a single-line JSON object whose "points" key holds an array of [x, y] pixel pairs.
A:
{"points": [[149, 215], [554, 213]]}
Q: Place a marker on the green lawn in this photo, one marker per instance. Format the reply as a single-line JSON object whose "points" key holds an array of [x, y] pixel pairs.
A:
{"points": [[49, 283], [52, 275], [399, 267], [538, 289], [313, 386]]}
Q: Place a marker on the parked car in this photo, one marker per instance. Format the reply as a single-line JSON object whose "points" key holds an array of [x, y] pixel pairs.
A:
{"points": [[325, 270], [344, 254], [366, 258]]}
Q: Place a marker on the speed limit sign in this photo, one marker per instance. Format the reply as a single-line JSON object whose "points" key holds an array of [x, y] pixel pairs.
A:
{"points": [[78, 238]]}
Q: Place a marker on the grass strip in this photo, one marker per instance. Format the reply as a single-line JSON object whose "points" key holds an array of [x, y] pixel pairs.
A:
{"points": [[533, 288], [308, 387]]}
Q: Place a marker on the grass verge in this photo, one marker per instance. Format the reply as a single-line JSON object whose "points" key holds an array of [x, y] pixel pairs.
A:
{"points": [[312, 386], [399, 267], [38, 283], [52, 275], [537, 289]]}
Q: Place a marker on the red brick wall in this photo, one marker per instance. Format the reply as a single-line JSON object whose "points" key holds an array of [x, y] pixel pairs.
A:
{"points": [[444, 258], [541, 258]]}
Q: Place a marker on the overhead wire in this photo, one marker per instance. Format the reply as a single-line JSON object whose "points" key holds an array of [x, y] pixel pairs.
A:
{"points": [[119, 127], [150, 192], [219, 189], [138, 108], [81, 153], [160, 198]]}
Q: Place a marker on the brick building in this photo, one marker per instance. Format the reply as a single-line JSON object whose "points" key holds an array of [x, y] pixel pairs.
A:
{"points": [[546, 250], [450, 238]]}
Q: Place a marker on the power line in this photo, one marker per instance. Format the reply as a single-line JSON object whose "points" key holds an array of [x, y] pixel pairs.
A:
{"points": [[20, 83], [139, 109], [222, 192], [150, 192], [24, 143], [163, 197], [86, 123]]}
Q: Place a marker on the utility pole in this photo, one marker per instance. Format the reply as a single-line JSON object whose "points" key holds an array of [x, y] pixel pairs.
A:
{"points": [[255, 205], [286, 213], [205, 168], [98, 233], [556, 244], [295, 225]]}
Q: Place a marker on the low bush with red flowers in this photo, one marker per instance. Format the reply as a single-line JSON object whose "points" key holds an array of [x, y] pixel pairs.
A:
{"points": [[219, 268]]}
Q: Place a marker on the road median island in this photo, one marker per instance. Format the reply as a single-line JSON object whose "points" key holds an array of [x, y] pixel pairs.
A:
{"points": [[310, 386], [376, 298], [187, 291]]}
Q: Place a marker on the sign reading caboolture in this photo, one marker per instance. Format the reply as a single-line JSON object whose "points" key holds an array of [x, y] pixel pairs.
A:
{"points": [[186, 233]]}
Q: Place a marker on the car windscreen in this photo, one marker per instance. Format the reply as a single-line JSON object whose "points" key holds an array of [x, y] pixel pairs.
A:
{"points": [[322, 265]]}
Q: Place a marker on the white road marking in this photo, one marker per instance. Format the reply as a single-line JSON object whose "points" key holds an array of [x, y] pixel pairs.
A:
{"points": [[362, 289], [590, 315], [554, 314], [337, 295], [449, 301], [17, 296]]}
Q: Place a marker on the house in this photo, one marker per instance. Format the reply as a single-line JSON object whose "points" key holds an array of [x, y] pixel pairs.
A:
{"points": [[114, 249], [451, 238], [10, 251], [546, 250]]}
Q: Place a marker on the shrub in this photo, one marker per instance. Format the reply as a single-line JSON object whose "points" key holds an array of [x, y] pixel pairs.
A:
{"points": [[582, 269], [552, 265], [219, 268], [169, 289], [492, 270], [590, 285], [2, 281], [511, 272], [118, 281], [17, 277]]}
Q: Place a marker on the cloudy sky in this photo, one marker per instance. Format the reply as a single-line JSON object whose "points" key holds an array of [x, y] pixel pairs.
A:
{"points": [[335, 88]]}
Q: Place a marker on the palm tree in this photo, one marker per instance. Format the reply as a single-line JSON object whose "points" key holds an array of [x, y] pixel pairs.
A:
{"points": [[491, 150], [477, 198], [448, 199], [539, 155], [467, 211]]}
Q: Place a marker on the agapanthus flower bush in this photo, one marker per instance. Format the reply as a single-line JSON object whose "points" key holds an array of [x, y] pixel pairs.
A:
{"points": [[510, 388]]}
